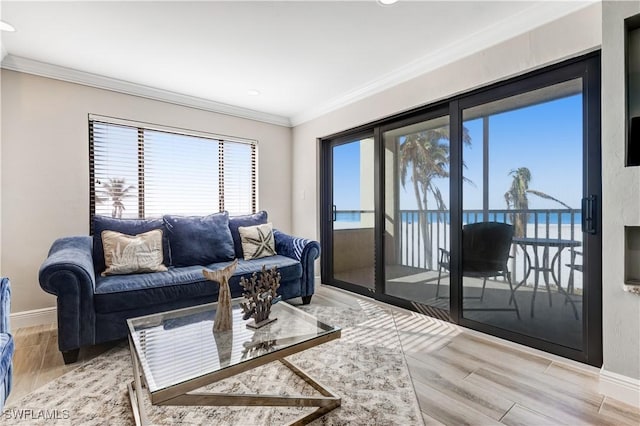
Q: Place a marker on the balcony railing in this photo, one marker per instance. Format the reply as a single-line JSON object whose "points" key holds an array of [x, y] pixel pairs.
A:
{"points": [[408, 235]]}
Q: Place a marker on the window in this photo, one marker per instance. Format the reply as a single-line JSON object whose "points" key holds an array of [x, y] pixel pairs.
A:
{"points": [[143, 171]]}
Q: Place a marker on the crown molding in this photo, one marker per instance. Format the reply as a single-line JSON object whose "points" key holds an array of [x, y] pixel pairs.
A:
{"points": [[526, 20], [30, 66]]}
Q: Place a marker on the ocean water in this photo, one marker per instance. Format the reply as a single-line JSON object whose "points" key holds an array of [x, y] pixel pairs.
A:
{"points": [[472, 217], [348, 216]]}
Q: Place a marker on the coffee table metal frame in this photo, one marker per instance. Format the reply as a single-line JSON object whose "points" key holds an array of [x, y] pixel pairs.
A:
{"points": [[183, 393]]}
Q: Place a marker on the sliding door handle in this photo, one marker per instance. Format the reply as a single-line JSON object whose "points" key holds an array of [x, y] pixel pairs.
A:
{"points": [[334, 213], [589, 214]]}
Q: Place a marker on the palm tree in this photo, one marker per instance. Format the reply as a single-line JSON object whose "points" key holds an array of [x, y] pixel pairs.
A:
{"points": [[516, 198], [115, 190], [427, 153]]}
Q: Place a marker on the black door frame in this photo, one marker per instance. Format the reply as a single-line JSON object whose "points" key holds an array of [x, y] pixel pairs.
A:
{"points": [[326, 214], [586, 67]]}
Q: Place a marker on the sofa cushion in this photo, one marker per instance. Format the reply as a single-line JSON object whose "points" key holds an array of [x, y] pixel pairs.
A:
{"points": [[132, 254], [125, 292], [248, 220], [125, 226], [199, 240]]}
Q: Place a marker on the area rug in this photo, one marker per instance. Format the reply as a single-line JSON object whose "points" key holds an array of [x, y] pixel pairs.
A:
{"points": [[365, 367]]}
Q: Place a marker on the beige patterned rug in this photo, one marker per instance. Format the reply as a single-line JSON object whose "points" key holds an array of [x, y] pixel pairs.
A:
{"points": [[365, 367]]}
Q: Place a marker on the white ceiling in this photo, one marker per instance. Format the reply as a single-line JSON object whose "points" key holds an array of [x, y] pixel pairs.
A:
{"points": [[305, 57]]}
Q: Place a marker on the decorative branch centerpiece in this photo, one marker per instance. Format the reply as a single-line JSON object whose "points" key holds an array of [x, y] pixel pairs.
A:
{"points": [[260, 292]]}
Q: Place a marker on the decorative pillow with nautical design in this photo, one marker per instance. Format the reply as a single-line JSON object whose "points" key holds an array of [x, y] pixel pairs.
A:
{"points": [[257, 241], [235, 222], [132, 254]]}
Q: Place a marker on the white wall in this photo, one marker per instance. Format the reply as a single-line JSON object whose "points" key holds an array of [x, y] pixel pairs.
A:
{"points": [[1, 272], [620, 200], [45, 166], [545, 45]]}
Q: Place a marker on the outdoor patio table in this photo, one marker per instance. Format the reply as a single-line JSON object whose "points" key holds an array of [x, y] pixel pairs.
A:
{"points": [[542, 264]]}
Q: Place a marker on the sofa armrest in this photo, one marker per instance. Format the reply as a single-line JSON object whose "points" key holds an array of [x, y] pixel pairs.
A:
{"points": [[305, 251], [69, 274], [69, 255], [5, 305]]}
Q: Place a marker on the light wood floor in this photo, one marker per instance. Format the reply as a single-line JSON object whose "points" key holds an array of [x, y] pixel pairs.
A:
{"points": [[459, 376]]}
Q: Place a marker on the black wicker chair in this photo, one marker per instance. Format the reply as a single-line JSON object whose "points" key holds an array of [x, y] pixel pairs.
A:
{"points": [[485, 252]]}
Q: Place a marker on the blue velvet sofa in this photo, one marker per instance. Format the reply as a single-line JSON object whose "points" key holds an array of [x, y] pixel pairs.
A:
{"points": [[6, 342], [93, 308]]}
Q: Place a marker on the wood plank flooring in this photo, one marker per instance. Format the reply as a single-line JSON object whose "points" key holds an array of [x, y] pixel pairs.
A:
{"points": [[459, 376]]}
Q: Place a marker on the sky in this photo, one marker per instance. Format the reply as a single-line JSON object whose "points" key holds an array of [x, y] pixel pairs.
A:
{"points": [[546, 138]]}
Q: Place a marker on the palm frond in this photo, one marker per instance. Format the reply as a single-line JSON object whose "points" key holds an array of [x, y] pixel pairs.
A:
{"points": [[547, 197]]}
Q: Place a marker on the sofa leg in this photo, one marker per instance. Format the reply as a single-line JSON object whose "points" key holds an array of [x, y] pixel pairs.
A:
{"points": [[70, 356], [306, 300]]}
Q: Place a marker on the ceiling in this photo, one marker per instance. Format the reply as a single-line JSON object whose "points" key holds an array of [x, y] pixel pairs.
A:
{"points": [[305, 58]]}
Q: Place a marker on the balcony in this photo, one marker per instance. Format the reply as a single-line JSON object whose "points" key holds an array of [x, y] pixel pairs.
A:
{"points": [[411, 267]]}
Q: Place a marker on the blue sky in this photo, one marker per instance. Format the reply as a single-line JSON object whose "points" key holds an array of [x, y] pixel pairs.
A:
{"points": [[346, 176], [546, 138]]}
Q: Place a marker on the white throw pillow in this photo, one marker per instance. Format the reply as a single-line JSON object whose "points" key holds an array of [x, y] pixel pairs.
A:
{"points": [[132, 254]]}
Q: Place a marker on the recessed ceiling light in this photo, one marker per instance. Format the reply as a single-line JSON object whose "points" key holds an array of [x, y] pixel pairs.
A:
{"points": [[5, 26], [253, 92], [387, 2]]}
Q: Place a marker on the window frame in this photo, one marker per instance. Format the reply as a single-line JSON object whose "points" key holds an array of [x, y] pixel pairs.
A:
{"points": [[140, 128]]}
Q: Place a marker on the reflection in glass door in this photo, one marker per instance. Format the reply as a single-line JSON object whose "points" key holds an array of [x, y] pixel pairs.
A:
{"points": [[416, 211], [352, 218], [522, 242]]}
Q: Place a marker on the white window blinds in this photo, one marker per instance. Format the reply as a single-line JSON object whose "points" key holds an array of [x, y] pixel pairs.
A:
{"points": [[140, 172]]}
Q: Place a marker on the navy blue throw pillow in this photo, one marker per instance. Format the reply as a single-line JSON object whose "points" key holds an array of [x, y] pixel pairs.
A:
{"points": [[199, 240], [129, 227], [248, 220]]}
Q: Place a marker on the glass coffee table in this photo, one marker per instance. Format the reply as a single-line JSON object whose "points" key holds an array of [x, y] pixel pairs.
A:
{"points": [[175, 353]]}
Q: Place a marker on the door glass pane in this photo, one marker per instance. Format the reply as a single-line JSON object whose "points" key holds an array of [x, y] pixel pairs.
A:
{"points": [[416, 217], [523, 167], [353, 213]]}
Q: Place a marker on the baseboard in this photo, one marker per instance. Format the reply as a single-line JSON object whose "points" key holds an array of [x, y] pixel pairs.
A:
{"points": [[622, 388], [34, 317]]}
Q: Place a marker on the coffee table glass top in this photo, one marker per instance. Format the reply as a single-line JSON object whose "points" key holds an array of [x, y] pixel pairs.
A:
{"points": [[178, 346]]}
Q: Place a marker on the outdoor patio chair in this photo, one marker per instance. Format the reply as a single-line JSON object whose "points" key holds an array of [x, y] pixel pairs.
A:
{"points": [[573, 266], [485, 252]]}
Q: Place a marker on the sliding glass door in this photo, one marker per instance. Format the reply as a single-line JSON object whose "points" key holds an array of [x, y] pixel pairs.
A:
{"points": [[522, 239], [483, 210], [416, 211], [351, 217]]}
